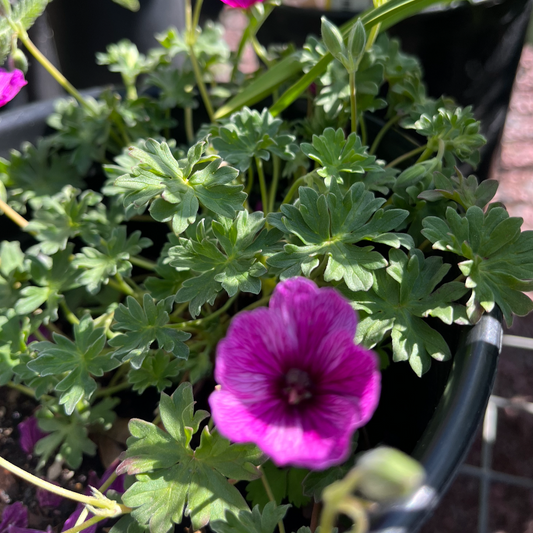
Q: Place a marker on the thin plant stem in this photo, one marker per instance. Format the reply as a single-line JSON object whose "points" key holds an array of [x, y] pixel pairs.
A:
{"points": [[60, 491], [260, 51], [142, 262], [19, 220], [118, 375], [200, 321], [262, 184], [69, 315], [379, 137], [201, 85], [85, 525], [275, 180], [315, 515], [43, 60], [405, 156], [196, 15], [295, 186], [353, 101], [240, 49], [189, 130], [39, 335], [124, 287], [270, 495], [258, 303], [109, 391], [363, 129], [425, 154], [250, 183]]}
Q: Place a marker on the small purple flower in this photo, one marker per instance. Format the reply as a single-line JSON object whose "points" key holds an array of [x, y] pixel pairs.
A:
{"points": [[15, 515], [292, 380], [30, 434], [10, 84]]}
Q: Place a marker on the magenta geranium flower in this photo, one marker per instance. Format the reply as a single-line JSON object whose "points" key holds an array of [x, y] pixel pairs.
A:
{"points": [[242, 4], [10, 84], [292, 380]]}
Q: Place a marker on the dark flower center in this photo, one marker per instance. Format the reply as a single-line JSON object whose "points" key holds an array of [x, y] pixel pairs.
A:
{"points": [[297, 386]]}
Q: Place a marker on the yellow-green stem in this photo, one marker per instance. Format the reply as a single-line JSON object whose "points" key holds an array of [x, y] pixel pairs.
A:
{"points": [[260, 51], [295, 186], [85, 525], [405, 156], [201, 85], [142, 262], [109, 391], [275, 179], [270, 495], [19, 220], [124, 287], [353, 101], [43, 60], [388, 125], [189, 130], [262, 184], [250, 183], [60, 491], [69, 315]]}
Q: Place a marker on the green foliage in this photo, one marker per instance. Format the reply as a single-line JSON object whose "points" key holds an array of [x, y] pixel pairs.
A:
{"points": [[467, 192], [66, 215], [499, 260], [25, 12], [248, 134], [37, 172], [70, 433], [145, 325], [178, 188], [156, 370], [13, 271], [403, 294], [52, 276], [339, 155], [330, 226], [172, 477], [132, 5], [227, 257], [286, 483], [76, 361], [253, 521], [177, 87], [124, 57], [109, 258]]}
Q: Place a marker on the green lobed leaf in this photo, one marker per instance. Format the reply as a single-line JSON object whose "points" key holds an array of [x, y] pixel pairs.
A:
{"points": [[226, 256], [172, 478], [254, 521], [499, 258], [144, 325], [333, 226], [401, 296], [77, 360]]}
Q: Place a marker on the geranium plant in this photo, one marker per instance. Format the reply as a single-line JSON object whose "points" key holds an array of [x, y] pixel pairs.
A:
{"points": [[260, 244]]}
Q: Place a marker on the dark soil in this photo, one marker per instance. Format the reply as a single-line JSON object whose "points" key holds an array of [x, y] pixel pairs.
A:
{"points": [[14, 408]]}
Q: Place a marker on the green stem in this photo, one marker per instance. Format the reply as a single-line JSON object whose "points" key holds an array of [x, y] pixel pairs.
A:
{"points": [[275, 179], [363, 129], [43, 60], [21, 388], [123, 286], [260, 51], [201, 85], [258, 303], [270, 495], [353, 101], [200, 321], [388, 125], [262, 184], [85, 525], [39, 335], [250, 183], [403, 157], [118, 374], [60, 491], [69, 315], [196, 16], [295, 186], [142, 262], [189, 130], [321, 267], [425, 155], [238, 54], [109, 391]]}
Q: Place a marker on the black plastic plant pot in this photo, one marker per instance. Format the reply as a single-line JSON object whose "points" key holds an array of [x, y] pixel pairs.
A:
{"points": [[434, 417], [469, 51]]}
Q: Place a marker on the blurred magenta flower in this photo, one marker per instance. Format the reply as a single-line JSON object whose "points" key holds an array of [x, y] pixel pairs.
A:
{"points": [[30, 433], [10, 84], [292, 380], [242, 4]]}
